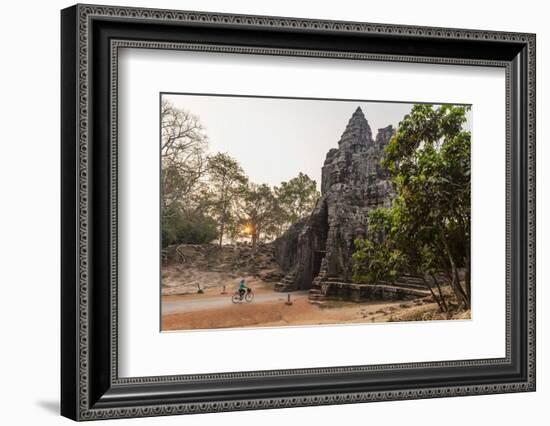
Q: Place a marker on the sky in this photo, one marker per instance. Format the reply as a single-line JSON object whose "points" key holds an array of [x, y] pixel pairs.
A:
{"points": [[274, 139]]}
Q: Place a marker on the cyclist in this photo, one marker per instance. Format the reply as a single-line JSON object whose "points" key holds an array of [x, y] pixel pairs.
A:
{"points": [[243, 288]]}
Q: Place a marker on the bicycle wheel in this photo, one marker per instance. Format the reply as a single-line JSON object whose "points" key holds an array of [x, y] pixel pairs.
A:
{"points": [[249, 296], [236, 298]]}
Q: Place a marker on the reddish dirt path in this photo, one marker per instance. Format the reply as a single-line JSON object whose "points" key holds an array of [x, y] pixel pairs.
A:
{"points": [[183, 304], [268, 310]]}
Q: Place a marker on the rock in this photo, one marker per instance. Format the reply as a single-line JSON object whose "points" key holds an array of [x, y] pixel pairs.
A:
{"points": [[285, 248], [353, 183], [273, 275], [235, 260]]}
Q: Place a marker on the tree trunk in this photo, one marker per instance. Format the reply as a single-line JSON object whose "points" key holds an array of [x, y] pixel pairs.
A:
{"points": [[433, 294], [223, 195], [468, 279], [459, 289], [222, 226], [440, 293], [455, 279]]}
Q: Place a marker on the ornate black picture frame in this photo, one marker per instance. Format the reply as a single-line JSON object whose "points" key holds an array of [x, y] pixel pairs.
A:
{"points": [[91, 36]]}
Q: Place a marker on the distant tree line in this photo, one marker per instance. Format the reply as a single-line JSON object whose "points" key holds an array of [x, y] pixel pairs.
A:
{"points": [[426, 232], [208, 197]]}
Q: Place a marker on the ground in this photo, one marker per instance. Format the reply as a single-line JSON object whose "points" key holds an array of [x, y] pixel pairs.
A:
{"points": [[183, 308]]}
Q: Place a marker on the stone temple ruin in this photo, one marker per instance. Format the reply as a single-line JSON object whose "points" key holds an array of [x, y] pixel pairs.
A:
{"points": [[316, 252]]}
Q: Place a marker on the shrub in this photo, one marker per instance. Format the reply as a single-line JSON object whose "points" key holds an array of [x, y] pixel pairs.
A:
{"points": [[187, 228]]}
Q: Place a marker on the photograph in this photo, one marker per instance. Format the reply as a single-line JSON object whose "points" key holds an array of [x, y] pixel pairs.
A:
{"points": [[297, 212], [272, 207]]}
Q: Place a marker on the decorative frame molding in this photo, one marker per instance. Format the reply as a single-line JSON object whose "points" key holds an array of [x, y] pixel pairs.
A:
{"points": [[91, 37]]}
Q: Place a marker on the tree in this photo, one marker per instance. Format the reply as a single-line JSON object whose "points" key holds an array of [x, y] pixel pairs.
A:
{"points": [[183, 166], [227, 184], [389, 252], [187, 227], [296, 198], [378, 257], [260, 212], [183, 155], [429, 163]]}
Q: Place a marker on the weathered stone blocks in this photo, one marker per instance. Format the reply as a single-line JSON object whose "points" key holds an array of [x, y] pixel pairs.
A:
{"points": [[353, 183]]}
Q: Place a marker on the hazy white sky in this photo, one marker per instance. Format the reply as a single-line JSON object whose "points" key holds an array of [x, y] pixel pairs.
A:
{"points": [[275, 139]]}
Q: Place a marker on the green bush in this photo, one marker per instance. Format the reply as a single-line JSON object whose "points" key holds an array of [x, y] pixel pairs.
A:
{"points": [[187, 228]]}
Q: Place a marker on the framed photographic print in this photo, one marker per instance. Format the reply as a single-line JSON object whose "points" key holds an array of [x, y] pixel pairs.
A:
{"points": [[263, 212]]}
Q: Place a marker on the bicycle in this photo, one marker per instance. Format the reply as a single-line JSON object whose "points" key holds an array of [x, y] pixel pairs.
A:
{"points": [[238, 297]]}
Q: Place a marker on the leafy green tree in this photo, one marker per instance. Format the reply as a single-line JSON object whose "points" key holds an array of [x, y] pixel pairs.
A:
{"points": [[179, 227], [378, 257], [389, 252], [296, 199], [429, 163], [260, 212], [227, 185]]}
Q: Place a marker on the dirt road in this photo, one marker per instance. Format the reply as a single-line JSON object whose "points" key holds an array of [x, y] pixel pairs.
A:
{"points": [[179, 305], [209, 311]]}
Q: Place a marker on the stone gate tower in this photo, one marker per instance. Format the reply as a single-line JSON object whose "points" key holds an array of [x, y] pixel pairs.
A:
{"points": [[353, 183]]}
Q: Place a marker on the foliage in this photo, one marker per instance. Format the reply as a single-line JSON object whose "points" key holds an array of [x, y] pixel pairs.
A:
{"points": [[179, 228], [213, 194], [260, 212], [427, 229], [227, 185], [296, 198], [183, 155], [378, 258]]}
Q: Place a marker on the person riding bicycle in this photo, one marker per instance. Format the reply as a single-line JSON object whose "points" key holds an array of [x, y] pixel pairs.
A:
{"points": [[243, 288]]}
